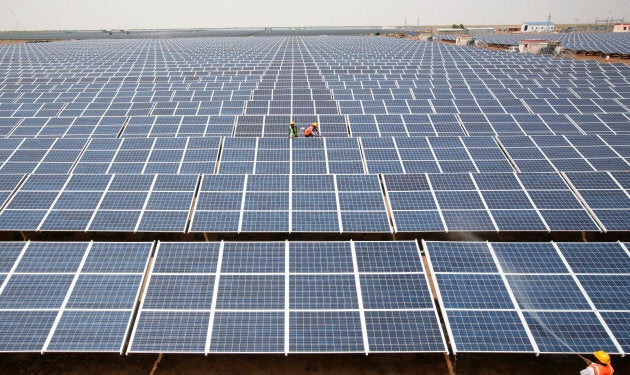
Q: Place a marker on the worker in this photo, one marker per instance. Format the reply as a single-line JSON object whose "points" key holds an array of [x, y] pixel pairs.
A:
{"points": [[293, 133], [602, 367], [312, 131]]}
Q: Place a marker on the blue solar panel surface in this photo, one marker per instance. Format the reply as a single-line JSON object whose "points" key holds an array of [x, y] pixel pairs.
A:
{"points": [[69, 296], [547, 302], [287, 297]]}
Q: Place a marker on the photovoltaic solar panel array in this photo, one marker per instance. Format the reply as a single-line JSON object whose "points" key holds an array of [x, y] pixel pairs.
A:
{"points": [[532, 297], [217, 297], [307, 297], [76, 297], [190, 136]]}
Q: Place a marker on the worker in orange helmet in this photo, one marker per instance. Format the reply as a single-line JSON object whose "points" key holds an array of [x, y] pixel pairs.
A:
{"points": [[312, 131], [601, 367]]}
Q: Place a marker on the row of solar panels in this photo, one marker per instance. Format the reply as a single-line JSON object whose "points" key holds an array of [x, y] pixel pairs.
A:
{"points": [[446, 65], [432, 61], [403, 56], [485, 202], [366, 155], [305, 297], [473, 105], [524, 90], [353, 125], [209, 53], [582, 98], [230, 87], [475, 77]]}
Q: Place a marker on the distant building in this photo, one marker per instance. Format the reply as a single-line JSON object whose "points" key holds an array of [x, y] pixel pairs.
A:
{"points": [[480, 30], [424, 36], [448, 31], [464, 40], [621, 28], [537, 27], [532, 45]]}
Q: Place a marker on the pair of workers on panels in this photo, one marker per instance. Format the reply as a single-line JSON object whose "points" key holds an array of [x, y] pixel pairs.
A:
{"points": [[311, 131]]}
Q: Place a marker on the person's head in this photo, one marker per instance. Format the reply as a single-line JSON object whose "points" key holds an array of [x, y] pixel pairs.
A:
{"points": [[314, 124], [292, 124], [602, 357]]}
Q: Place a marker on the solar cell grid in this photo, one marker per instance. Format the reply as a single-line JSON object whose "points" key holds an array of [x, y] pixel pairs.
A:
{"points": [[401, 331], [395, 291], [249, 291], [572, 330], [90, 331], [105, 292], [616, 289], [51, 257], [547, 292], [322, 331], [25, 331], [554, 303], [461, 257], [528, 258], [170, 332], [488, 331], [248, 332], [579, 257]]}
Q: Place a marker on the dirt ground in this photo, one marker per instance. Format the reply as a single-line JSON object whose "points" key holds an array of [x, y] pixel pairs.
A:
{"points": [[346, 364], [601, 59], [2, 41]]}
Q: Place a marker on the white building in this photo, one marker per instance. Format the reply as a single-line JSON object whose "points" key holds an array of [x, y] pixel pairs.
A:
{"points": [[464, 40], [621, 28], [538, 27], [532, 45]]}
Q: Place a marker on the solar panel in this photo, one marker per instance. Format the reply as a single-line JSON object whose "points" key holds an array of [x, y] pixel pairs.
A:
{"points": [[248, 332], [547, 292], [518, 257], [618, 324], [325, 331], [82, 300], [90, 331], [25, 331], [395, 291], [258, 289], [402, 331], [95, 292], [616, 296], [577, 256], [491, 292], [536, 284], [608, 202], [170, 332], [568, 331], [488, 331]]}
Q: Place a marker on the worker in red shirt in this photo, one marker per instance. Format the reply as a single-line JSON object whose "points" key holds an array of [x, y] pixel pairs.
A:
{"points": [[601, 367], [312, 131]]}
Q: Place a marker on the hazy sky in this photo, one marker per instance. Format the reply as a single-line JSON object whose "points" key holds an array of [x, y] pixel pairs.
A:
{"points": [[142, 14]]}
